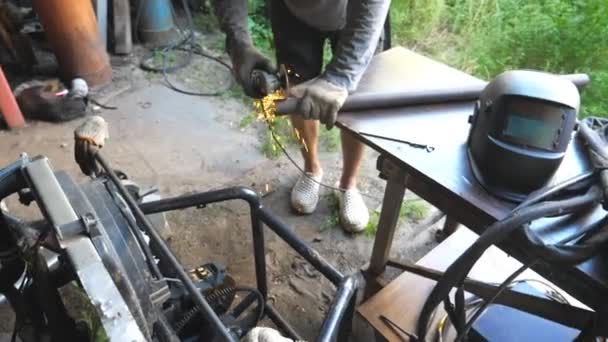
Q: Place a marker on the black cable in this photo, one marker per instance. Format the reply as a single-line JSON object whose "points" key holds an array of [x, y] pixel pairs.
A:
{"points": [[295, 164], [546, 193], [568, 253], [494, 234], [460, 308], [505, 284], [188, 45]]}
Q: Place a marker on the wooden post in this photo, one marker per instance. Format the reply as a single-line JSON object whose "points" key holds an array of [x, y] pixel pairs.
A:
{"points": [[123, 43]]}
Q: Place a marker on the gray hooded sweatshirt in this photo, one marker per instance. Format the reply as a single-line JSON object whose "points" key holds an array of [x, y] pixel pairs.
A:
{"points": [[361, 22]]}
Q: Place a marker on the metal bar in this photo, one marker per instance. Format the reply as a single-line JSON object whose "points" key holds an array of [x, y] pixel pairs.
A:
{"points": [[273, 223], [377, 100], [450, 225], [243, 305], [11, 178], [259, 254], [346, 286], [281, 323], [389, 216], [557, 312], [166, 253], [201, 198], [342, 303], [302, 248]]}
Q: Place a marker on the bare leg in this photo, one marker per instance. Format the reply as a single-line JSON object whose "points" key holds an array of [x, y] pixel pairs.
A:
{"points": [[309, 131], [352, 155]]}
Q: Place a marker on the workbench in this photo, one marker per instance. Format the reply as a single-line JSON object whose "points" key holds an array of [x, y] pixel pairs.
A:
{"points": [[443, 177]]}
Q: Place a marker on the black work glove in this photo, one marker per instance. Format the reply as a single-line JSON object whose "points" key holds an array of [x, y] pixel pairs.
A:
{"points": [[89, 138], [245, 58]]}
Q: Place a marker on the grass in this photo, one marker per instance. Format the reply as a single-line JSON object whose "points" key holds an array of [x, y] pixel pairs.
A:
{"points": [[486, 37], [372, 225], [413, 210], [333, 220]]}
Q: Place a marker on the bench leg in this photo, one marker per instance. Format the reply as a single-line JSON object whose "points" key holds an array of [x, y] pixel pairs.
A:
{"points": [[449, 227], [389, 216]]}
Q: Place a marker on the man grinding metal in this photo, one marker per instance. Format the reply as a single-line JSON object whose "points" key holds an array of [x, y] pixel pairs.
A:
{"points": [[300, 29]]}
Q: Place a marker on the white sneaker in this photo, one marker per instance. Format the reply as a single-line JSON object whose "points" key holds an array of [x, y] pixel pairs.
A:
{"points": [[305, 194], [354, 214]]}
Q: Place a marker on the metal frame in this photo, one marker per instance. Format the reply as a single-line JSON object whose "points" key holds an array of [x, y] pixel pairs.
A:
{"points": [[337, 324], [338, 320]]}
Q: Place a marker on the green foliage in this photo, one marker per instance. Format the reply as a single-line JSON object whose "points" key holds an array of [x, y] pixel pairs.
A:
{"points": [[247, 120], [415, 209], [329, 139], [372, 225], [333, 220], [486, 37], [259, 27], [283, 131]]}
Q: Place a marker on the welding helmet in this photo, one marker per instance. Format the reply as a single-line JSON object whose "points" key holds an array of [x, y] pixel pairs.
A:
{"points": [[520, 130]]}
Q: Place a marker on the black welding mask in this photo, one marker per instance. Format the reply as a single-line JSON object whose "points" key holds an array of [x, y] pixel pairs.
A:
{"points": [[520, 130]]}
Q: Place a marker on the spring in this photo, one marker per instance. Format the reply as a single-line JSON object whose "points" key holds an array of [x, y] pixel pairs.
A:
{"points": [[212, 297]]}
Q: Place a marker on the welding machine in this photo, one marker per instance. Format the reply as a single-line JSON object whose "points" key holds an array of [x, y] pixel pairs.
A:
{"points": [[520, 130]]}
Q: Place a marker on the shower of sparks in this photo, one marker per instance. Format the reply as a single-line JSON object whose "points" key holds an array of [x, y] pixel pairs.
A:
{"points": [[266, 110]]}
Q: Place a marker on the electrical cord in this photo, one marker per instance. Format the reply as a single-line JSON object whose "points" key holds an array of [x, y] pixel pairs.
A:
{"points": [[478, 304], [494, 234], [484, 305], [186, 44], [295, 164]]}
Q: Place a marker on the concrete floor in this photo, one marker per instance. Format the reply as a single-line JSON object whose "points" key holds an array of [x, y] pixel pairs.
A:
{"points": [[183, 144]]}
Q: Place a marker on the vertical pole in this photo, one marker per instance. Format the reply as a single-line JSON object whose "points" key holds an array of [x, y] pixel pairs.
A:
{"points": [[389, 216], [259, 252], [8, 105], [123, 43]]}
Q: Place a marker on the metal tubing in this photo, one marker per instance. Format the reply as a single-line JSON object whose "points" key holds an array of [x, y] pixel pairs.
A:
{"points": [[8, 105], [303, 249], [11, 178], [204, 198], [341, 304], [250, 196], [243, 305], [378, 100], [281, 323], [201, 198], [259, 254], [166, 253], [346, 286]]}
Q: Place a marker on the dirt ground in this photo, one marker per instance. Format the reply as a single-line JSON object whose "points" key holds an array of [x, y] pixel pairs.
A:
{"points": [[188, 144]]}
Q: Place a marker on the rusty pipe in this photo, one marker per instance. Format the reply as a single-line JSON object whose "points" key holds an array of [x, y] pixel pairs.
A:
{"points": [[378, 100], [71, 29]]}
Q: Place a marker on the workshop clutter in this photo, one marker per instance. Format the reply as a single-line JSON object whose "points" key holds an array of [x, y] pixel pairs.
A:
{"points": [[50, 101]]}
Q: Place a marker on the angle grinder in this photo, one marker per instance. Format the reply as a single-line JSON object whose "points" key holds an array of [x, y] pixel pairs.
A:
{"points": [[267, 83]]}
